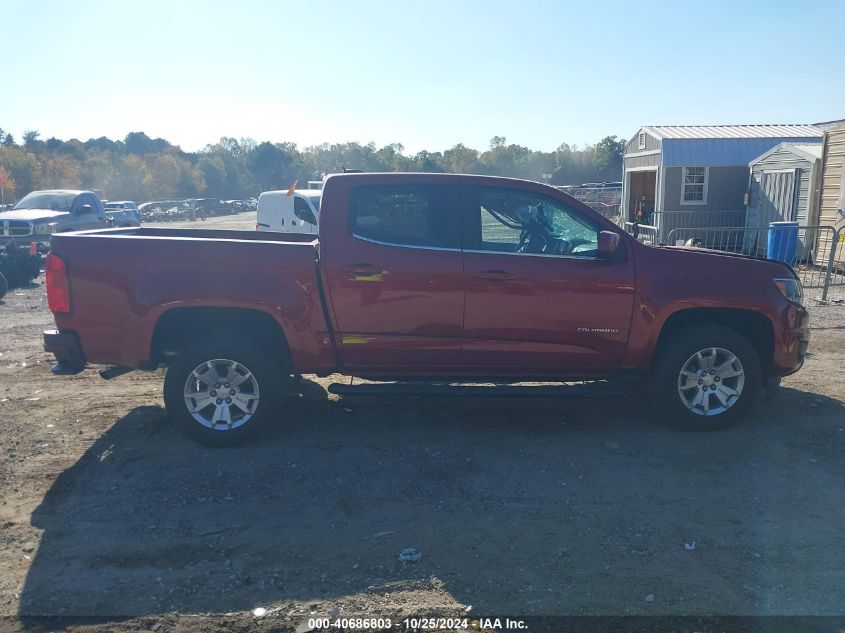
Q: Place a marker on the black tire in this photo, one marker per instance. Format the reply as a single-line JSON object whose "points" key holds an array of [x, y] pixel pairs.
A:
{"points": [[672, 357], [4, 285], [267, 374]]}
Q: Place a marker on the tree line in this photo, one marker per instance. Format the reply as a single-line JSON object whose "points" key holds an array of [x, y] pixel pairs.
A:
{"points": [[143, 168]]}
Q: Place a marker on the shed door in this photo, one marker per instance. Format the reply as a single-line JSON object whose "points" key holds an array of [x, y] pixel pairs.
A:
{"points": [[777, 197]]}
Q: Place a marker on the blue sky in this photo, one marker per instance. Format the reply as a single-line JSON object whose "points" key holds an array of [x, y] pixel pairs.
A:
{"points": [[427, 74]]}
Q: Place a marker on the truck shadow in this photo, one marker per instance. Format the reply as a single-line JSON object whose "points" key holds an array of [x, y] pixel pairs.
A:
{"points": [[518, 506]]}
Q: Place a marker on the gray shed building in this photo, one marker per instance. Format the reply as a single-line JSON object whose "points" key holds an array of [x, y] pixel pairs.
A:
{"points": [[698, 168]]}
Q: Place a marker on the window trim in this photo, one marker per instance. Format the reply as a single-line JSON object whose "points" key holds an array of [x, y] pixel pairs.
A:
{"points": [[704, 200], [641, 141], [372, 240]]}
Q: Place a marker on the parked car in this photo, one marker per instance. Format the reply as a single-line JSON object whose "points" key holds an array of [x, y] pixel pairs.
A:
{"points": [[123, 213], [210, 207], [42, 213], [423, 277], [281, 212]]}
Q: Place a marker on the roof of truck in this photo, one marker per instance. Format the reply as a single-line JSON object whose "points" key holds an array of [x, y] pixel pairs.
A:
{"points": [[63, 191]]}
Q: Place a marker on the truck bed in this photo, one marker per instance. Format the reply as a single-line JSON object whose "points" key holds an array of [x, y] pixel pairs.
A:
{"points": [[126, 279], [200, 234]]}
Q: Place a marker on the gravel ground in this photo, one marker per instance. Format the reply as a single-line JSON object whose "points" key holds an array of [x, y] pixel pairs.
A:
{"points": [[519, 506]]}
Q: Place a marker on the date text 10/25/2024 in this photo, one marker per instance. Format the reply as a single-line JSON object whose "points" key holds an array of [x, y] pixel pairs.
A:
{"points": [[416, 624]]}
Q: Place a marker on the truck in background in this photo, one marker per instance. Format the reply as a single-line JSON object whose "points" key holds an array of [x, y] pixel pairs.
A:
{"points": [[42, 213]]}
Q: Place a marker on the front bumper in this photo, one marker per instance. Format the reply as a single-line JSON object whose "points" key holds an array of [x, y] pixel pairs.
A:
{"points": [[68, 352], [792, 342]]}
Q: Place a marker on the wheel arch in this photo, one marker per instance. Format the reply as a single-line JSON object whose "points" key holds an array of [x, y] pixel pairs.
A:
{"points": [[754, 326], [178, 328]]}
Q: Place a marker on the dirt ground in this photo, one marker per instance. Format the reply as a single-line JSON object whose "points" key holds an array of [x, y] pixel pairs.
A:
{"points": [[519, 506]]}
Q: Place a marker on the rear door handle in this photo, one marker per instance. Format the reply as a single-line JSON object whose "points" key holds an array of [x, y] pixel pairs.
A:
{"points": [[495, 275], [363, 270]]}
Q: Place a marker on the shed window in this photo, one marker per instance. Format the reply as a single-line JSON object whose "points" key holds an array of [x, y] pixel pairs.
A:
{"points": [[694, 185], [642, 140]]}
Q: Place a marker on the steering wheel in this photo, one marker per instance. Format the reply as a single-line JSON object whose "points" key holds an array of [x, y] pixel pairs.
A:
{"points": [[560, 246], [523, 240], [578, 241]]}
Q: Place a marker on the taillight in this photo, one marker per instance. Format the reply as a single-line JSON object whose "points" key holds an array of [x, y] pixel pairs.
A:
{"points": [[58, 292]]}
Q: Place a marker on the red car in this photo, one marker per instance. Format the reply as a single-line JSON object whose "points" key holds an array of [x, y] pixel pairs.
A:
{"points": [[423, 278]]}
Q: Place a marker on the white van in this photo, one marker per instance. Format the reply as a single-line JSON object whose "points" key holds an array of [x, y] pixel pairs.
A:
{"points": [[289, 213]]}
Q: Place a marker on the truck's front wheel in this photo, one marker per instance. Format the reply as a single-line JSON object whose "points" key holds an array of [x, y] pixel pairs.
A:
{"points": [[221, 394], [705, 377]]}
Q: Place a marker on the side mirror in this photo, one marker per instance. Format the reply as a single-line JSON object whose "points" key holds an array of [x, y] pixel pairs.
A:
{"points": [[85, 208], [608, 243]]}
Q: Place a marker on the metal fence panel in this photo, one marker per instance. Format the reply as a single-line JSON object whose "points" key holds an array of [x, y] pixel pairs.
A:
{"points": [[643, 232]]}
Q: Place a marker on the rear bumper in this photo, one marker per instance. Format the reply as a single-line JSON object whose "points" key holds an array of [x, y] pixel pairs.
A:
{"points": [[67, 350]]}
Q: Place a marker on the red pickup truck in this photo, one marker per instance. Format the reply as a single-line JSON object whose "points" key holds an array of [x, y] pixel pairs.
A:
{"points": [[422, 278]]}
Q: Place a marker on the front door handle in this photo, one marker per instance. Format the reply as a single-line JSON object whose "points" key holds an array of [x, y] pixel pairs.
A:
{"points": [[494, 275]]}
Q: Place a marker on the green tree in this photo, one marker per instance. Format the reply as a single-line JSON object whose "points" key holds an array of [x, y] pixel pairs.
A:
{"points": [[272, 165], [30, 137], [428, 161], [214, 173], [139, 143], [59, 172], [22, 167], [607, 157], [461, 160]]}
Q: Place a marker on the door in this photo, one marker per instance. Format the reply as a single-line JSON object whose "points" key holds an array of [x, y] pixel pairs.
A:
{"points": [[85, 218], [538, 299], [777, 197], [777, 200], [394, 274]]}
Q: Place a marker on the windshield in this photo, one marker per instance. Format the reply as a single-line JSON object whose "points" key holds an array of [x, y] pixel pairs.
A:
{"points": [[52, 201]]}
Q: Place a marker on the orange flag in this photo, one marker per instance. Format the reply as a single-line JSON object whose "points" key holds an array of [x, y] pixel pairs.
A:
{"points": [[292, 189]]}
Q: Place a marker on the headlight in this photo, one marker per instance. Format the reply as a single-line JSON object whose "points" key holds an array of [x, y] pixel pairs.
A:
{"points": [[791, 289], [43, 228]]}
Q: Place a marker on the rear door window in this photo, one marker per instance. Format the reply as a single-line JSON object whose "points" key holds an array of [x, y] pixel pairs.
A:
{"points": [[403, 215]]}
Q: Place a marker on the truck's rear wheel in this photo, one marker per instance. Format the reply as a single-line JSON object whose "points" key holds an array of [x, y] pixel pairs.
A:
{"points": [[222, 394], [705, 377]]}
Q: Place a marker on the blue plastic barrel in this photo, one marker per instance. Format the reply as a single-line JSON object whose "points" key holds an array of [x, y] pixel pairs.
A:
{"points": [[783, 242]]}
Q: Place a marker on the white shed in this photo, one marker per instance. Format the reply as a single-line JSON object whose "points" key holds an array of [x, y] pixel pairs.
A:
{"points": [[783, 186]]}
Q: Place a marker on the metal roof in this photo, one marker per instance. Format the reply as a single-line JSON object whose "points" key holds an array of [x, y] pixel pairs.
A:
{"points": [[829, 125], [813, 149], [720, 152], [732, 131], [809, 152]]}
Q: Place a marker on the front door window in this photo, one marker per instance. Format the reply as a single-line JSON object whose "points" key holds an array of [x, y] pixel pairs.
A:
{"points": [[521, 222]]}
